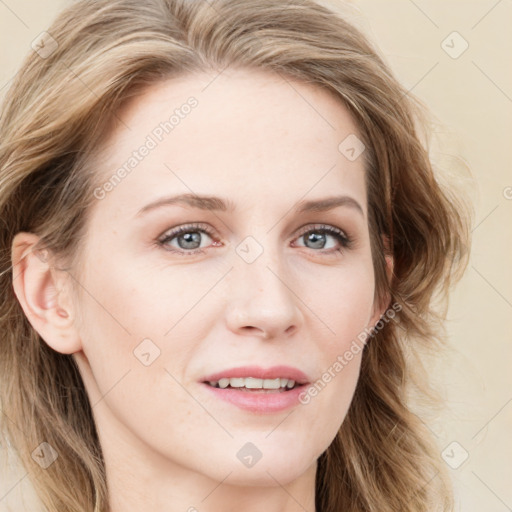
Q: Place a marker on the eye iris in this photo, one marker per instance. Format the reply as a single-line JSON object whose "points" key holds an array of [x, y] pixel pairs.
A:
{"points": [[317, 240], [190, 239], [193, 238]]}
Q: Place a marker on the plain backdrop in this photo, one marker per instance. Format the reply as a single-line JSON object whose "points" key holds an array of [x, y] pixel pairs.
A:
{"points": [[470, 92]]}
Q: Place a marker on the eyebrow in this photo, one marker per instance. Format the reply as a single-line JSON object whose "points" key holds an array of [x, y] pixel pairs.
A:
{"points": [[218, 204]]}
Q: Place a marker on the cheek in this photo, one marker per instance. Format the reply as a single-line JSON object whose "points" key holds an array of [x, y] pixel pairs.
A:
{"points": [[131, 301], [135, 369], [141, 321], [342, 301], [345, 307]]}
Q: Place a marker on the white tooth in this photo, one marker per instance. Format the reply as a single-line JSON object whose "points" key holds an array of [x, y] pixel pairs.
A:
{"points": [[224, 383], [272, 383], [236, 383], [252, 383], [283, 382], [290, 384], [213, 383]]}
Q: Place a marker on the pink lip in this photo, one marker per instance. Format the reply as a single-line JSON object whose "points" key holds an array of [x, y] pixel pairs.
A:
{"points": [[285, 372], [259, 401]]}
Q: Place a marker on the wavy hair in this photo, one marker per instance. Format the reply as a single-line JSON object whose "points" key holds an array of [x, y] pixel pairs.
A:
{"points": [[55, 115]]}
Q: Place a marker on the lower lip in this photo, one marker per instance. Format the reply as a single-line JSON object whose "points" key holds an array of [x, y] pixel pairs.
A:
{"points": [[259, 401]]}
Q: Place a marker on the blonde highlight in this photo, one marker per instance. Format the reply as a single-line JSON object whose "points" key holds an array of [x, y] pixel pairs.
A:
{"points": [[51, 129]]}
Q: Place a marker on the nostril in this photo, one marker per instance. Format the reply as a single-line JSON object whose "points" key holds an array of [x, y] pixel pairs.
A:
{"points": [[290, 329]]}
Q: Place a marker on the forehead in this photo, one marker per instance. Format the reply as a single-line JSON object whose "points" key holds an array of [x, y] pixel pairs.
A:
{"points": [[242, 133]]}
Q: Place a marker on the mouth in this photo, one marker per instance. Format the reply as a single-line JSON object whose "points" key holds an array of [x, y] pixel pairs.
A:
{"points": [[255, 385], [256, 389]]}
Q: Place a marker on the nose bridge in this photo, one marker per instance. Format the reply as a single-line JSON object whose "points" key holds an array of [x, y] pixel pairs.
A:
{"points": [[259, 297], [264, 272]]}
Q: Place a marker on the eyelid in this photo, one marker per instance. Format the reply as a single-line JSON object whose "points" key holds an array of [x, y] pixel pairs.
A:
{"points": [[172, 233], [343, 238], [199, 226], [210, 231], [318, 226]]}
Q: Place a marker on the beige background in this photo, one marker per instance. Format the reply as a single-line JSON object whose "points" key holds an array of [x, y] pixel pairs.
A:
{"points": [[472, 96]]}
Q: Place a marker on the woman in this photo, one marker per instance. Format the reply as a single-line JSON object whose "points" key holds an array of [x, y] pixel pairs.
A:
{"points": [[221, 241]]}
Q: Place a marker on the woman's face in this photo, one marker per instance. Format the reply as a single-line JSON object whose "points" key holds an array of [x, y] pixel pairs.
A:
{"points": [[259, 276]]}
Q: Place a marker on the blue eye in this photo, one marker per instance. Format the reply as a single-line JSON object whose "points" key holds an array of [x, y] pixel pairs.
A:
{"points": [[318, 236], [188, 239]]}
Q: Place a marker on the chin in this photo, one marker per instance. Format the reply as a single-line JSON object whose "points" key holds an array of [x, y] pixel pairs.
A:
{"points": [[260, 478], [277, 470]]}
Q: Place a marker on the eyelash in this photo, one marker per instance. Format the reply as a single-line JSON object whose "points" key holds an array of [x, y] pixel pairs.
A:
{"points": [[345, 241]]}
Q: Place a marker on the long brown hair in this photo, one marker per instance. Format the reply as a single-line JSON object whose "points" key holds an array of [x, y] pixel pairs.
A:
{"points": [[54, 118]]}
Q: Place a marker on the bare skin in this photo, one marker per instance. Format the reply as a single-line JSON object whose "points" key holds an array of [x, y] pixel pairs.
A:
{"points": [[169, 443]]}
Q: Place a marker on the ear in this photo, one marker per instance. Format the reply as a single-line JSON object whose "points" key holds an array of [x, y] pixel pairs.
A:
{"points": [[388, 255], [380, 309], [43, 293]]}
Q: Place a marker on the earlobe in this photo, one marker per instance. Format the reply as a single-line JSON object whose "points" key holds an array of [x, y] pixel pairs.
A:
{"points": [[42, 293]]}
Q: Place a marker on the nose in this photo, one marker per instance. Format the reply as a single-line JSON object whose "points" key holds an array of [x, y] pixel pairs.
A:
{"points": [[261, 301]]}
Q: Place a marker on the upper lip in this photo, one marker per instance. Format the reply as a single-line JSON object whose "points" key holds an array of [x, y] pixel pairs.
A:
{"points": [[284, 372]]}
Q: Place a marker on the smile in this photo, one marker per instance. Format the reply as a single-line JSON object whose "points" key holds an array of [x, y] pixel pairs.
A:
{"points": [[254, 384]]}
